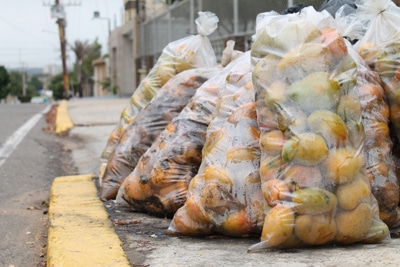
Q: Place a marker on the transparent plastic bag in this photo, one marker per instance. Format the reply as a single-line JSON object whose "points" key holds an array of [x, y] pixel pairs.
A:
{"points": [[312, 168], [149, 122], [158, 185], [187, 53], [225, 196], [380, 48], [375, 115]]}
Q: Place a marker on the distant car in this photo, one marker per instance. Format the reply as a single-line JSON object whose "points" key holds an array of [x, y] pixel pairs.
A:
{"points": [[37, 100]]}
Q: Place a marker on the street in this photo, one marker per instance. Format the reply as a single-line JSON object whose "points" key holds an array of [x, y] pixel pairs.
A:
{"points": [[144, 237], [26, 175]]}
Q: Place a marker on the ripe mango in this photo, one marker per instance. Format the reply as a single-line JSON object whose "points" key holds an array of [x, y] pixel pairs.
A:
{"points": [[353, 226], [219, 175], [307, 149], [274, 191], [343, 164], [278, 226], [349, 108], [315, 91], [298, 176], [270, 167], [316, 229], [264, 72], [351, 194], [272, 142], [304, 60]]}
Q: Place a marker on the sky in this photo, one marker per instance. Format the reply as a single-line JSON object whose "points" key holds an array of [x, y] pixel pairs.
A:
{"points": [[29, 35]]}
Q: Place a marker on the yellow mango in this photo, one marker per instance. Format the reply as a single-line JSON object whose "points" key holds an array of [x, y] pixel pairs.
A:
{"points": [[352, 193], [272, 142], [307, 149], [305, 59], [343, 164], [278, 226], [316, 229], [353, 226]]}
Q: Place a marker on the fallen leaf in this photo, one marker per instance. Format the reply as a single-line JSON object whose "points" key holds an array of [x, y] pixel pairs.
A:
{"points": [[34, 208], [133, 221]]}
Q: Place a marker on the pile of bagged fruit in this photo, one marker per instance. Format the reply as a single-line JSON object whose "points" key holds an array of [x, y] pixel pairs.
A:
{"points": [[295, 141]]}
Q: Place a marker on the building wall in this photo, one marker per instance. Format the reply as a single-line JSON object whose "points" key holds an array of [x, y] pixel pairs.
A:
{"points": [[100, 75], [123, 47]]}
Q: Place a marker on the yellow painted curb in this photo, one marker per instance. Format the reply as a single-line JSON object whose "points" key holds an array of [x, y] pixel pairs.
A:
{"points": [[63, 120], [80, 232]]}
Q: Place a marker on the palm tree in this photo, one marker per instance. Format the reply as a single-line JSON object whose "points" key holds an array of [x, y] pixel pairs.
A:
{"points": [[85, 54], [80, 49]]}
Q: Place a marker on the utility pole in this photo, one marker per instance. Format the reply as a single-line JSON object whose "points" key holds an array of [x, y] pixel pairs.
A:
{"points": [[57, 11], [61, 30], [96, 15]]}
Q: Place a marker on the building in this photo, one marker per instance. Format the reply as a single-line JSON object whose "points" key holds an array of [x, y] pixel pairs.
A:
{"points": [[100, 77], [149, 25]]}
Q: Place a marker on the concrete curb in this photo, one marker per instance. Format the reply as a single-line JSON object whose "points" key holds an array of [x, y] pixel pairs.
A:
{"points": [[63, 120], [80, 232]]}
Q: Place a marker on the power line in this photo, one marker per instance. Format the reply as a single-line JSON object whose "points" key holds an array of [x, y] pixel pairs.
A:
{"points": [[24, 31]]}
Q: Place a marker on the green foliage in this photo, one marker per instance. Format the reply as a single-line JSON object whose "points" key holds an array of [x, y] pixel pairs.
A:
{"points": [[85, 54], [14, 86], [57, 86], [35, 83], [4, 80]]}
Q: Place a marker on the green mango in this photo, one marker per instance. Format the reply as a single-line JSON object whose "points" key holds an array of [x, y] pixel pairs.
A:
{"points": [[313, 201], [329, 125], [315, 91], [349, 108]]}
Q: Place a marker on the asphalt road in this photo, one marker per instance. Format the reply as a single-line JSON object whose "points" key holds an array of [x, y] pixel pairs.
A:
{"points": [[26, 174]]}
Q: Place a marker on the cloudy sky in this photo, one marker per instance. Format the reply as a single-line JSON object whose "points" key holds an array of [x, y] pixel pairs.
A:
{"points": [[29, 36]]}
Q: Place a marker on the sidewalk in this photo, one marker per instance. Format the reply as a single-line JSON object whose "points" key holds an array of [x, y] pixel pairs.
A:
{"points": [[83, 231], [80, 232]]}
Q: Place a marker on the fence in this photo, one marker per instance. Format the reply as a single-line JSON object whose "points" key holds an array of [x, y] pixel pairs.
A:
{"points": [[237, 19]]}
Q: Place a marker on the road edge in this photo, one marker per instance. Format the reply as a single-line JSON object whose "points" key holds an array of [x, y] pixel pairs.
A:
{"points": [[80, 232], [63, 120]]}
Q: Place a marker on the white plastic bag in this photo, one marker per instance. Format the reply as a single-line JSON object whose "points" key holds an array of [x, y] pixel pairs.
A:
{"points": [[187, 53]]}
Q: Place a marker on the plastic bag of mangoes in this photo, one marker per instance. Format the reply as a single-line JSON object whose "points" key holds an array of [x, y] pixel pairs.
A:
{"points": [[159, 182], [225, 196], [148, 124], [380, 48], [187, 53], [312, 168]]}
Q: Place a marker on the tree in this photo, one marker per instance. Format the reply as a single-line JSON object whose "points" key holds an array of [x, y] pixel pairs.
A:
{"points": [[57, 86], [4, 80], [35, 83], [85, 53], [15, 83]]}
